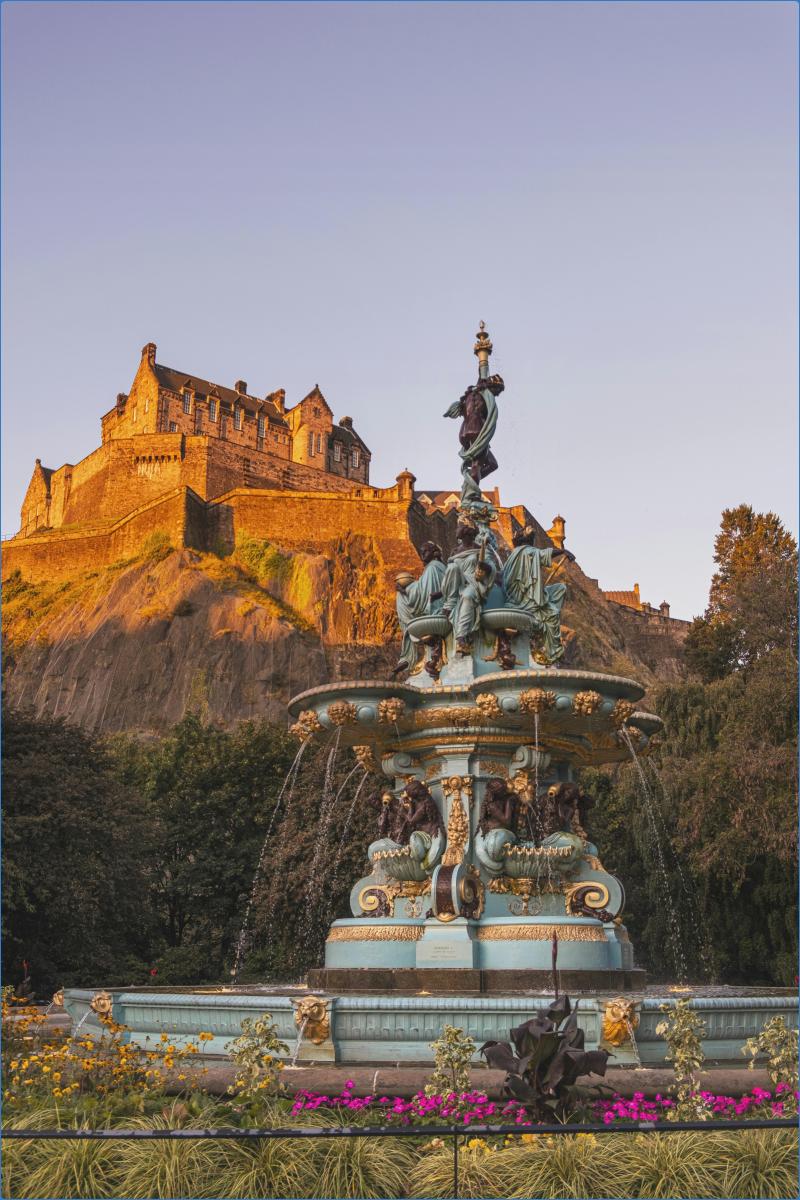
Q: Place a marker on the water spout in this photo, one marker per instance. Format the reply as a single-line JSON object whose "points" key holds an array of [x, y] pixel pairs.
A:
{"points": [[300, 1033]]}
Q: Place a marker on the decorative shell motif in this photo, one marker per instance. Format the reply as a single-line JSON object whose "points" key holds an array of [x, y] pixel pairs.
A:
{"points": [[587, 702], [489, 705], [342, 712], [306, 725], [390, 710], [622, 711], [536, 700], [366, 758]]}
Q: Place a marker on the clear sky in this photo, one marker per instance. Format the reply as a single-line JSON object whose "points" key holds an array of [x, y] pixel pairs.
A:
{"points": [[292, 193]]}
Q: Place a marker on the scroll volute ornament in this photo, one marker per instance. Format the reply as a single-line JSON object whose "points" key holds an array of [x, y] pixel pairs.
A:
{"points": [[312, 1017]]}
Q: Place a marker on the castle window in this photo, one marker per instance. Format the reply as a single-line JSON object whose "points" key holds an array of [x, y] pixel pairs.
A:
{"points": [[319, 443], [261, 426], [237, 418], [337, 451], [133, 414], [173, 428], [316, 410], [187, 400], [212, 410], [310, 445], [356, 458]]}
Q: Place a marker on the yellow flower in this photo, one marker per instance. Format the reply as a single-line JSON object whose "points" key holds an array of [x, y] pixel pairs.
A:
{"points": [[205, 1037], [530, 1138], [14, 1064], [476, 1144]]}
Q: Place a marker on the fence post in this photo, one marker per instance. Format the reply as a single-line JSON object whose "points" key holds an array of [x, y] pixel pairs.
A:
{"points": [[455, 1162]]}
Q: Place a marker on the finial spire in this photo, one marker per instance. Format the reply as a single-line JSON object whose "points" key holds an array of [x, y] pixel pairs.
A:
{"points": [[483, 348]]}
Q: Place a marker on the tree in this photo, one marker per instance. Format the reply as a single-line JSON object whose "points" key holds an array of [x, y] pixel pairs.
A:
{"points": [[76, 856], [752, 605]]}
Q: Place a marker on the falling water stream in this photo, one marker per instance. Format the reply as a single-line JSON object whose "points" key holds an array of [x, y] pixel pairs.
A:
{"points": [[298, 1043], [679, 961], [288, 784], [345, 831]]}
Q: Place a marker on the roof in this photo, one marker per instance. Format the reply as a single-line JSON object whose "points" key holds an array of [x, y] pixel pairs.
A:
{"points": [[174, 380], [341, 433], [630, 599], [441, 499]]}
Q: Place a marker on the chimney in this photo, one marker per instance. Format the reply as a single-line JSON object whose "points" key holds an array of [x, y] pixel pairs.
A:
{"points": [[663, 608], [122, 400], [279, 399], [241, 387], [149, 352], [346, 422]]}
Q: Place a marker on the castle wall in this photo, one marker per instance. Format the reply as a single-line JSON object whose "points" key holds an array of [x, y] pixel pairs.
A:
{"points": [[179, 515]]}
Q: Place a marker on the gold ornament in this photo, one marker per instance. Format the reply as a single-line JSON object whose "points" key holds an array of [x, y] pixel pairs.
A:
{"points": [[58, 999], [306, 725], [489, 706], [620, 1018], [376, 933], [342, 712], [312, 1019], [494, 768], [536, 700], [596, 897], [622, 711], [540, 933], [366, 758], [391, 710], [101, 1003], [587, 702], [458, 715], [379, 896]]}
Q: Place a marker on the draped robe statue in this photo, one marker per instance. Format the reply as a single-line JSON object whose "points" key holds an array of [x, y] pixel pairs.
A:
{"points": [[523, 583], [467, 581], [419, 598], [478, 407]]}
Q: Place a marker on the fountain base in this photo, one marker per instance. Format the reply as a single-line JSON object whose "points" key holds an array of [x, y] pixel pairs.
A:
{"points": [[464, 981]]}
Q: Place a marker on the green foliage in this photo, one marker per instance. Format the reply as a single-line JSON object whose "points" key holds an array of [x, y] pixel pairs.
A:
{"points": [[683, 1031], [724, 782], [267, 562], [156, 546], [778, 1045], [752, 605], [453, 1051], [77, 849], [256, 1053]]}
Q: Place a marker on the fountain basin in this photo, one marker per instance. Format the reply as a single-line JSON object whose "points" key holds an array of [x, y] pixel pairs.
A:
{"points": [[511, 620], [396, 1028]]}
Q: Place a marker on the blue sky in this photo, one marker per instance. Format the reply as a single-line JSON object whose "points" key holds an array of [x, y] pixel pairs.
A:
{"points": [[337, 193]]}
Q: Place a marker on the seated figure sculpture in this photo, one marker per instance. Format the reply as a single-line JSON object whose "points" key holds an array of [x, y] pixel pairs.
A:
{"points": [[498, 823], [524, 585], [469, 575], [418, 598], [412, 823]]}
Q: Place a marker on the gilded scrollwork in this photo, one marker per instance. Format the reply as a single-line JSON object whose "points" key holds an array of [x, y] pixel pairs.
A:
{"points": [[457, 789], [540, 933], [376, 933], [458, 715], [494, 767]]}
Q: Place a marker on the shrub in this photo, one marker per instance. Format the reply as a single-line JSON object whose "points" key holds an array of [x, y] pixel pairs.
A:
{"points": [[453, 1052], [779, 1045], [683, 1031], [256, 1054]]}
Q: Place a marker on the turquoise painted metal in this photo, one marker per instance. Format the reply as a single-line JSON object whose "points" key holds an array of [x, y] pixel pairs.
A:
{"points": [[399, 1029]]}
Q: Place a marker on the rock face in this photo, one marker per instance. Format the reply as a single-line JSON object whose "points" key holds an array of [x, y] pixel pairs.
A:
{"points": [[136, 645]]}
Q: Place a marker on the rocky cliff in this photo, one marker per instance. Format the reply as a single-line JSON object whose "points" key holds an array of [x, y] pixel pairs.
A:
{"points": [[137, 644]]}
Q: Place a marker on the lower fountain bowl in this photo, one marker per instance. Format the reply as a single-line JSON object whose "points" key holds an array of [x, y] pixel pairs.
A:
{"points": [[512, 619], [429, 627]]}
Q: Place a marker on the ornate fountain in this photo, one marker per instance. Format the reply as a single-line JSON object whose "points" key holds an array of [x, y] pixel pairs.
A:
{"points": [[481, 879], [482, 871]]}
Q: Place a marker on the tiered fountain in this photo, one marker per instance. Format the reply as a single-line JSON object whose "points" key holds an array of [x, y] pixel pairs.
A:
{"points": [[483, 871], [482, 887]]}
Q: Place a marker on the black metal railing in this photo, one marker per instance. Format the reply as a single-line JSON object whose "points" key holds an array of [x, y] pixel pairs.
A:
{"points": [[367, 1131]]}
